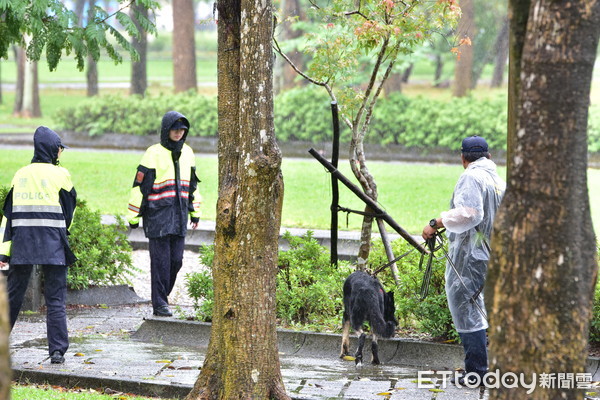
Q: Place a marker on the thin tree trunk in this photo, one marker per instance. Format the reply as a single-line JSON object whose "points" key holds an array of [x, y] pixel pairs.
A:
{"points": [[439, 69], [463, 74], [393, 84], [139, 78], [285, 76], [242, 360], [184, 46], [501, 51], [30, 106], [543, 270], [92, 66], [20, 61]]}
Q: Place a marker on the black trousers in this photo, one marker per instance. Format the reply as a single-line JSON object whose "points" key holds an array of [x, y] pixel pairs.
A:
{"points": [[55, 294], [166, 259], [475, 345]]}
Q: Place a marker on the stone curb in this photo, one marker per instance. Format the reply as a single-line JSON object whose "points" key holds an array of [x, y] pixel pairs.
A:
{"points": [[57, 378], [397, 351]]}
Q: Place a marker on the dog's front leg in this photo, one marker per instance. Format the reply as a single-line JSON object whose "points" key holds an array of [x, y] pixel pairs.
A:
{"points": [[345, 337], [375, 351], [359, 351]]}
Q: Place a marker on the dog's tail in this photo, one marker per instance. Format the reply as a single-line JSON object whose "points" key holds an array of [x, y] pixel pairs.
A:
{"points": [[380, 326]]}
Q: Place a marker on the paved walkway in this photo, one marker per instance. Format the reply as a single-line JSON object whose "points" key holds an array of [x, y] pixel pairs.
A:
{"points": [[105, 353]]}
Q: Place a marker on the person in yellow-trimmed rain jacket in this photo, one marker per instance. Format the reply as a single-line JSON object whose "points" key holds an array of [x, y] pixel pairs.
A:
{"points": [[38, 212], [165, 191]]}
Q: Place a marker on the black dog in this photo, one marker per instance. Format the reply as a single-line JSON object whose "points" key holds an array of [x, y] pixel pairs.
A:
{"points": [[365, 300]]}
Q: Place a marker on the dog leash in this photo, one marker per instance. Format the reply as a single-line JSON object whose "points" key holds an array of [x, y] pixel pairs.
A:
{"points": [[431, 245]]}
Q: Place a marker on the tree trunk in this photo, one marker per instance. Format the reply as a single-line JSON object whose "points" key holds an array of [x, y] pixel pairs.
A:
{"points": [[5, 368], [91, 75], [393, 84], [367, 182], [242, 360], [464, 62], [184, 46], [501, 51], [27, 102], [91, 72], [543, 269], [285, 76], [20, 61], [439, 69], [139, 77]]}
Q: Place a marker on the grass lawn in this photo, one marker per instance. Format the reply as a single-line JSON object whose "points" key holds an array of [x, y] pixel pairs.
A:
{"points": [[104, 179], [411, 193], [45, 392]]}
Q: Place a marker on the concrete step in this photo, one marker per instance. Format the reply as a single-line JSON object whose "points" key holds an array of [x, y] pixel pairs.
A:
{"points": [[348, 241]]}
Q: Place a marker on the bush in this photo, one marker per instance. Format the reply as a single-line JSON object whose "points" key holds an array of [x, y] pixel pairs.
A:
{"points": [[199, 286], [595, 322], [309, 289], [138, 116], [304, 114], [103, 251], [430, 315]]}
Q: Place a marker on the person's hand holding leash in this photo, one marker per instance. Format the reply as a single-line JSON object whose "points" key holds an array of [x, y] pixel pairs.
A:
{"points": [[431, 228]]}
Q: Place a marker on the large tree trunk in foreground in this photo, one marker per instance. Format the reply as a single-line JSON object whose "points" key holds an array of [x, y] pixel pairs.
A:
{"points": [[242, 360], [543, 270]]}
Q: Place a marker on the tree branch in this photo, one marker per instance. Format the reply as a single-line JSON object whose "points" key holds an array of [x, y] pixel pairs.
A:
{"points": [[308, 78]]}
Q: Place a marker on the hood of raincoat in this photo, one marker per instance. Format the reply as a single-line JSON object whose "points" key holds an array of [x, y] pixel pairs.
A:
{"points": [[483, 163], [46, 143], [167, 122]]}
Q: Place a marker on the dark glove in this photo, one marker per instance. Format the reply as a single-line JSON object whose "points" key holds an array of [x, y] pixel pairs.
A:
{"points": [[133, 226]]}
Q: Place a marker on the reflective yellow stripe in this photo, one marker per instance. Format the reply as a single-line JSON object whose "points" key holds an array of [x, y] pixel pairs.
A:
{"points": [[51, 223]]}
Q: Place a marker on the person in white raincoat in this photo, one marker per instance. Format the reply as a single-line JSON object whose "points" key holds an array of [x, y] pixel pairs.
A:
{"points": [[476, 198]]}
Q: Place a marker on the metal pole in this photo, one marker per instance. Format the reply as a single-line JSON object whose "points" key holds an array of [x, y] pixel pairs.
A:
{"points": [[335, 194], [368, 201]]}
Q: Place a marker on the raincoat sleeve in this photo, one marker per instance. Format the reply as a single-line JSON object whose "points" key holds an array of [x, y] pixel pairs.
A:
{"points": [[144, 178], [195, 197], [5, 234], [68, 198], [467, 206]]}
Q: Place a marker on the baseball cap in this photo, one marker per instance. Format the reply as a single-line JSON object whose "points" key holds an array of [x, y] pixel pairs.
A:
{"points": [[474, 144], [179, 124]]}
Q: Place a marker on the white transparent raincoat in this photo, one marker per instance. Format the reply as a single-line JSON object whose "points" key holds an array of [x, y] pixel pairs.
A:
{"points": [[475, 200]]}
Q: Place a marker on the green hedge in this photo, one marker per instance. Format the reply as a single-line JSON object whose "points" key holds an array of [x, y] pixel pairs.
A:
{"points": [[304, 114]]}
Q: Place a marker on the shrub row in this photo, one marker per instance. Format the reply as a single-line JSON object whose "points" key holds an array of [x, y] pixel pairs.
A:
{"points": [[309, 289], [303, 114]]}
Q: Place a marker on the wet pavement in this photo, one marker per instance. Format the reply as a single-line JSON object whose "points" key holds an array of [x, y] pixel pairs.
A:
{"points": [[122, 349]]}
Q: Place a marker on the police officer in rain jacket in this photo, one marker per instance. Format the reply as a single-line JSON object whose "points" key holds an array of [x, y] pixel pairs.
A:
{"points": [[165, 191], [38, 212], [476, 198]]}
